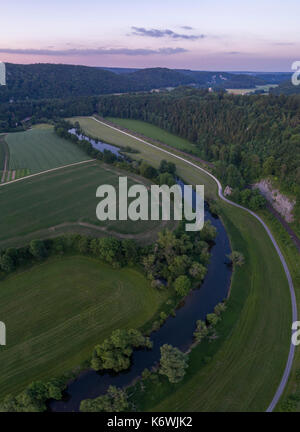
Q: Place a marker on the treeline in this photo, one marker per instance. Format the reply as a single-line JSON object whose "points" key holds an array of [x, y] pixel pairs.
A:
{"points": [[17, 116], [109, 249], [246, 136], [48, 81]]}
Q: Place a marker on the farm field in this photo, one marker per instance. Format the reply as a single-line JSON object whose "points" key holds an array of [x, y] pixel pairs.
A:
{"points": [[39, 149], [155, 133], [248, 359], [65, 201], [54, 322], [265, 87]]}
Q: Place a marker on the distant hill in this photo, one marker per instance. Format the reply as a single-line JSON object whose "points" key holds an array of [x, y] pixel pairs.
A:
{"points": [[47, 81], [286, 88]]}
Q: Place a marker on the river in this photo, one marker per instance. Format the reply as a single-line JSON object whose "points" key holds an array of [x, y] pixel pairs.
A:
{"points": [[177, 331]]}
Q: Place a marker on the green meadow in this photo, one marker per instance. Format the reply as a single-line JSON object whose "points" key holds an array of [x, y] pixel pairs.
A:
{"points": [[62, 201], [155, 133], [57, 311], [40, 149]]}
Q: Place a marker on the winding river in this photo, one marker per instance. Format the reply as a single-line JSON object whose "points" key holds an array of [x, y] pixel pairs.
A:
{"points": [[177, 331]]}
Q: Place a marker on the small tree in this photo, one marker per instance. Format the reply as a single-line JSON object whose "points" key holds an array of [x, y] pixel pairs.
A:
{"points": [[201, 331], [212, 319], [182, 285], [219, 308], [237, 258], [197, 271], [37, 249], [173, 363], [7, 263]]}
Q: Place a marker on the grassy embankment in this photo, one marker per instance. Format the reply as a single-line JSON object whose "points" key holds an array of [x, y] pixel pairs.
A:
{"points": [[247, 360], [290, 400]]}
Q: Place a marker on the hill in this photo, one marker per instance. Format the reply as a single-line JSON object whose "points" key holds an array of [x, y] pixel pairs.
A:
{"points": [[47, 81]]}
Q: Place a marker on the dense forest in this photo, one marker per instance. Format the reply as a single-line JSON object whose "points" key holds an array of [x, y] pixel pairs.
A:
{"points": [[45, 81], [246, 136]]}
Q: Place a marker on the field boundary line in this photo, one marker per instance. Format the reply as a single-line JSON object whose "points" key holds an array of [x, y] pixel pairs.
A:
{"points": [[47, 171], [6, 149], [289, 363]]}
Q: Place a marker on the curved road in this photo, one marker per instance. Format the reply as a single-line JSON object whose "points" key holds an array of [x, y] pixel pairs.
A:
{"points": [[288, 366]]}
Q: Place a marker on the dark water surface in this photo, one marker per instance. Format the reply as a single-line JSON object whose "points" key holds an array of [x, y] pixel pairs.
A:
{"points": [[177, 331], [97, 144]]}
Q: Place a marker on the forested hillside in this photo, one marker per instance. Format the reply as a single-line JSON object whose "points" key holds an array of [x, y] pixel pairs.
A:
{"points": [[45, 81], [246, 136]]}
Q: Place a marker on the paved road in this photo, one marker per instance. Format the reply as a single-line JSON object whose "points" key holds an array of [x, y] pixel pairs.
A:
{"points": [[289, 363]]}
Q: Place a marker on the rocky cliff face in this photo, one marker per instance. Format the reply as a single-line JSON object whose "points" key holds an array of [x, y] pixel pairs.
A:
{"points": [[280, 202]]}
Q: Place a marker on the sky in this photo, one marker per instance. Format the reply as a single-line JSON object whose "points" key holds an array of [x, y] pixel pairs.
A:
{"points": [[255, 35]]}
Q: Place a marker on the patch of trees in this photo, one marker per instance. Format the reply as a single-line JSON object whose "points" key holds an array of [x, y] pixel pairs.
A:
{"points": [[34, 397], [250, 198], [115, 400], [237, 258], [173, 363], [115, 352], [206, 329], [109, 249], [179, 257]]}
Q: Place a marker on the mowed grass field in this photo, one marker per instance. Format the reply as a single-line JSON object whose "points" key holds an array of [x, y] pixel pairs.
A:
{"points": [[65, 201], [57, 311], [149, 154], [40, 149], [248, 359], [154, 132]]}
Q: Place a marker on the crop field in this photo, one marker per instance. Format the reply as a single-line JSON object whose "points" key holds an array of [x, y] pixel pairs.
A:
{"points": [[155, 133], [54, 322], [65, 201], [244, 365], [265, 87], [40, 149]]}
